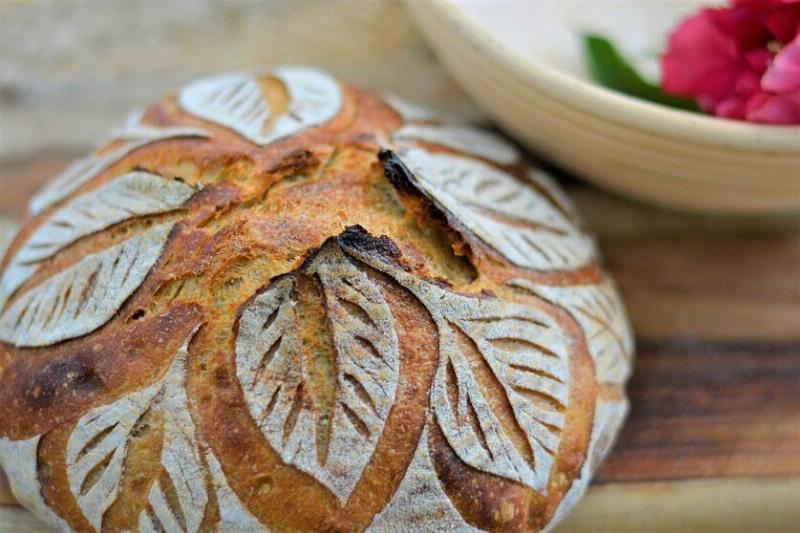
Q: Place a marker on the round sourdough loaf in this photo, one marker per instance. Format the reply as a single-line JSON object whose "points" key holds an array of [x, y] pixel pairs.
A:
{"points": [[274, 302]]}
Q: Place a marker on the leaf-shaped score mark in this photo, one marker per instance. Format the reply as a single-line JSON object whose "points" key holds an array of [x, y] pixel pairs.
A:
{"points": [[284, 376], [547, 184], [462, 138], [83, 297], [601, 314], [96, 451], [133, 194], [236, 101], [489, 347], [98, 445], [520, 224], [527, 356], [131, 136], [180, 461]]}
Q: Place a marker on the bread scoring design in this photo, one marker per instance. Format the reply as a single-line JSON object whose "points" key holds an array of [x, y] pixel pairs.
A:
{"points": [[420, 500], [84, 296], [181, 462], [609, 416], [98, 446], [136, 193], [526, 353], [133, 134], [377, 323], [548, 186], [518, 223], [599, 311], [464, 139], [21, 464], [236, 101], [327, 429]]}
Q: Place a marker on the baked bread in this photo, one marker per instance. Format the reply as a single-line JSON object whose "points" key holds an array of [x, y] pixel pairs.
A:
{"points": [[277, 303]]}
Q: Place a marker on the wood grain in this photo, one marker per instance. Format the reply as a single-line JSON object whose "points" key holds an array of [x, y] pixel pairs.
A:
{"points": [[705, 408], [713, 438]]}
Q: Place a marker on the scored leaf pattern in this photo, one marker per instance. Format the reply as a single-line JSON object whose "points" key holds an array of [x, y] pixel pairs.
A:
{"points": [[20, 462], [276, 373], [236, 101], [180, 461], [97, 448], [420, 501], [526, 352], [600, 313], [133, 194], [83, 297], [462, 138], [98, 445], [131, 136], [517, 222], [231, 100], [546, 183]]}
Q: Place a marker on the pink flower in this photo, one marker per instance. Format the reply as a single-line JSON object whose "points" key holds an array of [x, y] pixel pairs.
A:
{"points": [[740, 62]]}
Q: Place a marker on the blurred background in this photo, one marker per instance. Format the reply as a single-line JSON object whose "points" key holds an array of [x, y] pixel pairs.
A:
{"points": [[69, 70], [713, 439]]}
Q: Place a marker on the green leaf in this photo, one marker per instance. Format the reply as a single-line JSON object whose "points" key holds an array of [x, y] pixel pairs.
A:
{"points": [[609, 68]]}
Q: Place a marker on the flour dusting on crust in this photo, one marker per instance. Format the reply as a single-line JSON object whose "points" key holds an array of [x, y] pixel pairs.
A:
{"points": [[131, 136], [599, 311], [86, 295], [276, 377], [420, 504], [462, 138], [134, 194], [523, 226], [236, 101], [20, 462]]}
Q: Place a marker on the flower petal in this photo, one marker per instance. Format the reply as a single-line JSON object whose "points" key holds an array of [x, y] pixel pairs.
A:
{"points": [[701, 60], [783, 76]]}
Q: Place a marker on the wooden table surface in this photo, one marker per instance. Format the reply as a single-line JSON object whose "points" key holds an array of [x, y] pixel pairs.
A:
{"points": [[713, 439]]}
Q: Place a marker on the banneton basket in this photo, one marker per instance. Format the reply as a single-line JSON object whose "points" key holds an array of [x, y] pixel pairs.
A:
{"points": [[274, 302], [523, 63]]}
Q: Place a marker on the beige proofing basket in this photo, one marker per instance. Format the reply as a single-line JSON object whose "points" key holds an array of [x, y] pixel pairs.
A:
{"points": [[650, 152]]}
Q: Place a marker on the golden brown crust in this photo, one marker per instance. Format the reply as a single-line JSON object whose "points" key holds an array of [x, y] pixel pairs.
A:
{"points": [[262, 213]]}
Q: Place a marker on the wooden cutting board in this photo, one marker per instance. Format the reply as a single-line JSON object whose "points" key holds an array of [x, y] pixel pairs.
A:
{"points": [[713, 439]]}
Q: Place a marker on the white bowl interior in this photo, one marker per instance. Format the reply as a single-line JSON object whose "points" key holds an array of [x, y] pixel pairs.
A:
{"points": [[549, 32]]}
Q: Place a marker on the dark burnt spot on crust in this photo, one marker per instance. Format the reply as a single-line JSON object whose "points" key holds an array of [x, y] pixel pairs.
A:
{"points": [[39, 393], [222, 379], [396, 172], [358, 239], [294, 162], [381, 248], [443, 283], [59, 379]]}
